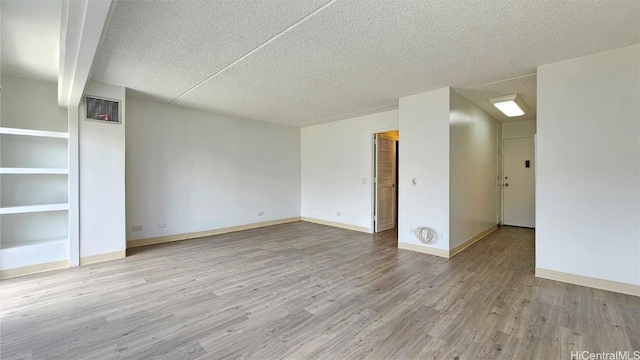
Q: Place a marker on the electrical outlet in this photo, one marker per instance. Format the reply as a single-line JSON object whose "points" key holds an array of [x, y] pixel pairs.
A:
{"points": [[260, 213], [161, 225], [414, 182], [136, 228], [412, 231], [438, 235], [338, 213], [364, 180]]}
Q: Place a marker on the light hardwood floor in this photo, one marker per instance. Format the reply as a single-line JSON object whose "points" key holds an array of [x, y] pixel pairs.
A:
{"points": [[307, 291]]}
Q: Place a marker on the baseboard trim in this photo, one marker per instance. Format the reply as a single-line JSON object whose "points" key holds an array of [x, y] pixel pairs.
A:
{"points": [[424, 249], [199, 234], [471, 241], [336, 224], [619, 287], [33, 269], [103, 257]]}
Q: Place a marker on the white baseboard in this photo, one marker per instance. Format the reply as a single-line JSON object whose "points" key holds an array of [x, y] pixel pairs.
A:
{"points": [[199, 234], [619, 287], [103, 257], [471, 241], [337, 224], [424, 249], [33, 269]]}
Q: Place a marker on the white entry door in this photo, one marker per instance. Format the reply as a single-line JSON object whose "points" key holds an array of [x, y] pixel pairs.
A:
{"points": [[519, 182], [386, 194]]}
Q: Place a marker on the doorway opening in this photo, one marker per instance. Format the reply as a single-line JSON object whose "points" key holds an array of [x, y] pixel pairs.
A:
{"points": [[385, 180]]}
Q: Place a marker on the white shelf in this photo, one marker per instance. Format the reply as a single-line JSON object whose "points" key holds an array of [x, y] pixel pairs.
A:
{"points": [[38, 242], [17, 254], [29, 132], [33, 208], [44, 171]]}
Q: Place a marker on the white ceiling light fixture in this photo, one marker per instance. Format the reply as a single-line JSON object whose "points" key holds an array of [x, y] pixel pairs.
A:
{"points": [[510, 105]]}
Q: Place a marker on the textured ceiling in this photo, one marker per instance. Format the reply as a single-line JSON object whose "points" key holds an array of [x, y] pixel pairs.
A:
{"points": [[31, 38], [304, 62], [524, 85], [162, 49]]}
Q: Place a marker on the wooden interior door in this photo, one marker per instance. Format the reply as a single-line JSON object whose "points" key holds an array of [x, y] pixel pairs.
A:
{"points": [[385, 184], [519, 182]]}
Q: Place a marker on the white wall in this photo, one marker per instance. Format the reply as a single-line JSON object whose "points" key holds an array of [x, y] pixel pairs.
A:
{"points": [[473, 170], [335, 158], [588, 175], [102, 178], [198, 171], [424, 155], [514, 129]]}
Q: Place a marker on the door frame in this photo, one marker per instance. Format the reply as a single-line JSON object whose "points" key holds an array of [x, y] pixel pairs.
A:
{"points": [[535, 163], [372, 183]]}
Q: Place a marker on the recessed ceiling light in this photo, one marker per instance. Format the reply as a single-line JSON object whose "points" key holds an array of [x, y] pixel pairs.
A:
{"points": [[510, 105]]}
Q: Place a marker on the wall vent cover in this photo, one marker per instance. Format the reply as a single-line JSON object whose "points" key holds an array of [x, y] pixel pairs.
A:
{"points": [[103, 110]]}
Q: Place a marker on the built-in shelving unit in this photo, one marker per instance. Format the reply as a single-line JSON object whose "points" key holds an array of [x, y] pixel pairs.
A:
{"points": [[29, 236], [22, 254], [33, 208], [38, 242], [30, 132], [33, 171]]}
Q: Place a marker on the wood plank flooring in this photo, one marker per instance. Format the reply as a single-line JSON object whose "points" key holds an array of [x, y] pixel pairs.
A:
{"points": [[307, 291]]}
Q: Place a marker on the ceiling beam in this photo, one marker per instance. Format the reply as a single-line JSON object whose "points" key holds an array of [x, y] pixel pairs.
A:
{"points": [[83, 23]]}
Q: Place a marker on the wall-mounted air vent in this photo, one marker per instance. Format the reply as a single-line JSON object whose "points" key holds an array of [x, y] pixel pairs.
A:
{"points": [[103, 110]]}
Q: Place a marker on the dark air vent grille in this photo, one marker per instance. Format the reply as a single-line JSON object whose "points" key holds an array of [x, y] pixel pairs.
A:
{"points": [[102, 110]]}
